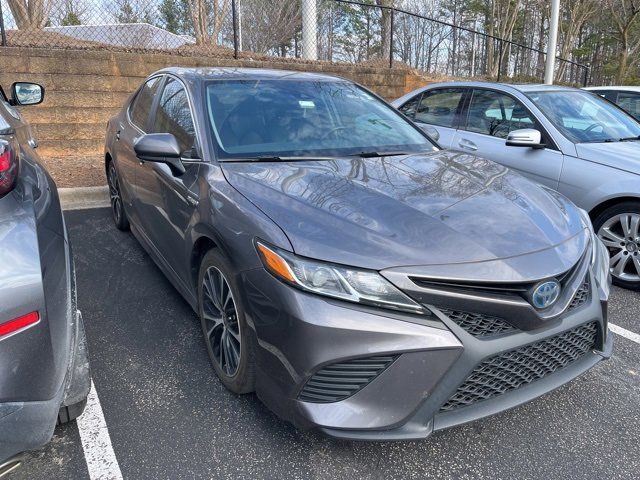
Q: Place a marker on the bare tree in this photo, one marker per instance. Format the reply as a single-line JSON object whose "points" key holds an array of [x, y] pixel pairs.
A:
{"points": [[625, 15], [269, 24], [30, 14], [208, 19], [574, 17]]}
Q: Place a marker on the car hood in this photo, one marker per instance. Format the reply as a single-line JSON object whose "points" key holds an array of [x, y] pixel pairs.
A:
{"points": [[621, 155], [422, 209]]}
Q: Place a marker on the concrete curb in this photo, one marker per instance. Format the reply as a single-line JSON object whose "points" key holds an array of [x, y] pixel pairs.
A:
{"points": [[84, 197]]}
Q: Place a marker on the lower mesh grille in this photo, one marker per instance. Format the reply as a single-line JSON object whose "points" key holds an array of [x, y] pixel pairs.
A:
{"points": [[477, 324], [341, 380], [582, 295], [511, 370]]}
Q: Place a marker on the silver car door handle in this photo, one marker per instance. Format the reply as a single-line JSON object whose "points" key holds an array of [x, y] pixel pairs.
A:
{"points": [[467, 145], [33, 143]]}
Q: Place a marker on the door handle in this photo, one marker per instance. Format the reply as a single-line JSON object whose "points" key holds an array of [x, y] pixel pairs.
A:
{"points": [[117, 134], [33, 143], [467, 145]]}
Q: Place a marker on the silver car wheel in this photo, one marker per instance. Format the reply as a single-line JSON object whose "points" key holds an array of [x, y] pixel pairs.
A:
{"points": [[621, 236], [221, 318]]}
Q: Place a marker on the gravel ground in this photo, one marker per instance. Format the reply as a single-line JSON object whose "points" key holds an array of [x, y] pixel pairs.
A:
{"points": [[168, 416]]}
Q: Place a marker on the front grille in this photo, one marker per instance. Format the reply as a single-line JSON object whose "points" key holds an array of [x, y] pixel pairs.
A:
{"points": [[582, 295], [511, 370], [477, 324], [341, 380]]}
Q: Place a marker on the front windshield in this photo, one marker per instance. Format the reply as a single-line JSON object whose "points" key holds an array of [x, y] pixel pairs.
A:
{"points": [[294, 118], [584, 117]]}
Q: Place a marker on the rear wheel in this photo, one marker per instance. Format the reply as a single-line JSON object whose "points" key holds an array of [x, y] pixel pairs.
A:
{"points": [[229, 341], [117, 207], [619, 229]]}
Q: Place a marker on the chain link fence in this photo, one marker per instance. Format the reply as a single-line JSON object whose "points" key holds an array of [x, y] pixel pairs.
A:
{"points": [[353, 32]]}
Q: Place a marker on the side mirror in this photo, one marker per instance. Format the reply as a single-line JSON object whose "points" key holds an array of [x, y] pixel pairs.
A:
{"points": [[160, 148], [526, 137], [26, 93], [431, 131]]}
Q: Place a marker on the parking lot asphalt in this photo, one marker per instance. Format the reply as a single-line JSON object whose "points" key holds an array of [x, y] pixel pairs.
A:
{"points": [[169, 417]]}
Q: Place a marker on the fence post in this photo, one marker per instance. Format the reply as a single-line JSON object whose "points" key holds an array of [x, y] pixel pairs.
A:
{"points": [[234, 20], [393, 10], [500, 48], [309, 30], [3, 34]]}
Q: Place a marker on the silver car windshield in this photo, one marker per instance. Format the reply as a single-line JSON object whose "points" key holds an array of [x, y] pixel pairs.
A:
{"points": [[586, 118], [292, 118]]}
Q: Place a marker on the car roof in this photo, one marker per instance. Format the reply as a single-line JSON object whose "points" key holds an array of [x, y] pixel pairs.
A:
{"points": [[528, 87], [232, 73], [623, 88]]}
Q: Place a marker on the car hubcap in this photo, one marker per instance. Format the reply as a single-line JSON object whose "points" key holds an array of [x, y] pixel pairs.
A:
{"points": [[222, 327], [621, 236], [114, 192]]}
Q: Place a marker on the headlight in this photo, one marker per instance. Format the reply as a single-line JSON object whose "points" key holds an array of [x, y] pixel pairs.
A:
{"points": [[599, 258], [337, 281]]}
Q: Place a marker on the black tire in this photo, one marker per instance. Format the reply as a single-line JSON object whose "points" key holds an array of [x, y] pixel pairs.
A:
{"points": [[117, 206], [608, 215], [70, 413], [238, 334]]}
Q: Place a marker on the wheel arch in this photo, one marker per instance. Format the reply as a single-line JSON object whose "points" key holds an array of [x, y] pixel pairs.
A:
{"points": [[601, 207], [203, 244]]}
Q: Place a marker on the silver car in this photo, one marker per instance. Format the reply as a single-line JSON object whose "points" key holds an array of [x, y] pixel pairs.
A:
{"points": [[626, 97], [568, 139]]}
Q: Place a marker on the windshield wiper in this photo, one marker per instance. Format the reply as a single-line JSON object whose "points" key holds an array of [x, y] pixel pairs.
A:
{"points": [[630, 139], [275, 158], [375, 154]]}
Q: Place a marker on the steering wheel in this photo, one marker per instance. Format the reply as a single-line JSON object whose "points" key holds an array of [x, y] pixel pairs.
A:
{"points": [[592, 126], [333, 131]]}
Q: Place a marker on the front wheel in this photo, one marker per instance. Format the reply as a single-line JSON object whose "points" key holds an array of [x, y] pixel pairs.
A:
{"points": [[229, 340], [619, 229]]}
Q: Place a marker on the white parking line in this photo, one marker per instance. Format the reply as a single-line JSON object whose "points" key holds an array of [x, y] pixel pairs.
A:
{"points": [[634, 337], [98, 452]]}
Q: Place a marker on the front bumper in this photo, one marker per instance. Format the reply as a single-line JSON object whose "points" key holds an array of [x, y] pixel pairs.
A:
{"points": [[300, 334]]}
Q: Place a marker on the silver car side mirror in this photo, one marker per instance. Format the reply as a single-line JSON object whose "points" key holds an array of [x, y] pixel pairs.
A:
{"points": [[525, 137], [431, 131]]}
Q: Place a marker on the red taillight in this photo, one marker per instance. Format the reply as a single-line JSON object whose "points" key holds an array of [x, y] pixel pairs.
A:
{"points": [[8, 167], [19, 323]]}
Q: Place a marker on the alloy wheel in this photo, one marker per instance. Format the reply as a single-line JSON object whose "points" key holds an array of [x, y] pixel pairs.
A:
{"points": [[114, 193], [621, 235], [221, 321]]}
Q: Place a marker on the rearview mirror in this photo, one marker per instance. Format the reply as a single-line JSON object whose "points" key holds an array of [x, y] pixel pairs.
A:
{"points": [[160, 148], [525, 137], [26, 93], [431, 131]]}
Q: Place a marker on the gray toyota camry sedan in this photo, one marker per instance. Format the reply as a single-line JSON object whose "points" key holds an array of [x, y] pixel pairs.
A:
{"points": [[361, 280], [44, 365]]}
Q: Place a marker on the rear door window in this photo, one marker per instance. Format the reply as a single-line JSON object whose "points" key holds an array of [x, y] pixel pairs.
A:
{"points": [[440, 107]]}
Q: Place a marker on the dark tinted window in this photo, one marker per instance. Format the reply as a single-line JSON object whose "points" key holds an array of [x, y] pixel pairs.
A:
{"points": [[409, 108], [630, 102], [174, 116], [439, 107], [496, 114], [141, 106]]}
